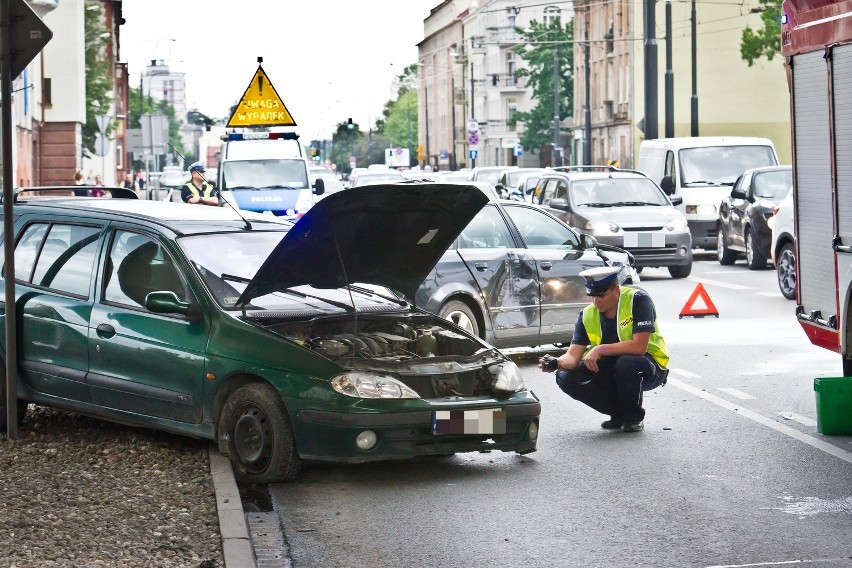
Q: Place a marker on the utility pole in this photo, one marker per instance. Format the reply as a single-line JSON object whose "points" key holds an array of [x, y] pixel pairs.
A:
{"points": [[472, 116], [587, 112], [555, 104], [694, 101], [652, 119], [669, 74]]}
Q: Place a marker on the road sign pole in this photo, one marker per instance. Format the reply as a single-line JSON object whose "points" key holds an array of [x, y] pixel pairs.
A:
{"points": [[8, 241]]}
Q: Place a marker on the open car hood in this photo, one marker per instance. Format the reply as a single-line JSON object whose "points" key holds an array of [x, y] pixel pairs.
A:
{"points": [[387, 235]]}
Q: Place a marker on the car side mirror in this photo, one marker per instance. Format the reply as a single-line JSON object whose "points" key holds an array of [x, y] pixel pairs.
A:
{"points": [[319, 186], [667, 185], [167, 302], [588, 241], [558, 203], [675, 199], [738, 194]]}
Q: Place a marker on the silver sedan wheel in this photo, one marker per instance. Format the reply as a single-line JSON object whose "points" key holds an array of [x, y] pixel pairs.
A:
{"points": [[460, 314]]}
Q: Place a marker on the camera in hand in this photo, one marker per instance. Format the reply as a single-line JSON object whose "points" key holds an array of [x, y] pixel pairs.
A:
{"points": [[550, 364]]}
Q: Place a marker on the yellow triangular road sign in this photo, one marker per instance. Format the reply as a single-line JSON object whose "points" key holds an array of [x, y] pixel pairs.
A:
{"points": [[261, 105]]}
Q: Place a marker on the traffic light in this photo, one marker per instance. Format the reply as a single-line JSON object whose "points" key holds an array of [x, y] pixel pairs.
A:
{"points": [[315, 154], [349, 124]]}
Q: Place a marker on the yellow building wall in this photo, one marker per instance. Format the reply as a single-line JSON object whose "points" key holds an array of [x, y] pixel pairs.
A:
{"points": [[733, 98]]}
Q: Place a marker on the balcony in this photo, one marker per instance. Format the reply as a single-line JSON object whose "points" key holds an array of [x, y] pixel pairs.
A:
{"points": [[504, 80]]}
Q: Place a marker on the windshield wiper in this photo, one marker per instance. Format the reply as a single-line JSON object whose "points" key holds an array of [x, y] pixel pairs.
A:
{"points": [[279, 186], [701, 181], [594, 205], [630, 203], [292, 292], [368, 292], [239, 187]]}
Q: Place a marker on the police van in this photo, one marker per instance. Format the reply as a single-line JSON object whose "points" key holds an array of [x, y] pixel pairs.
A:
{"points": [[266, 172], [702, 170]]}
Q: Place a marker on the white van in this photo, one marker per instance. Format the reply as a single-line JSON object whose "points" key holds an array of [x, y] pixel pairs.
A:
{"points": [[267, 172], [702, 170]]}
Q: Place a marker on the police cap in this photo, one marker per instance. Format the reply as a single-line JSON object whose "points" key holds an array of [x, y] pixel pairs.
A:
{"points": [[599, 280]]}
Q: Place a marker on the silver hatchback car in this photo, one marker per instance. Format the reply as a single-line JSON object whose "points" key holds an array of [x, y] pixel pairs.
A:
{"points": [[623, 208]]}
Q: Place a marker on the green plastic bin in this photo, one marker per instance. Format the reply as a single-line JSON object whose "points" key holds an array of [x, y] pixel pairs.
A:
{"points": [[834, 405]]}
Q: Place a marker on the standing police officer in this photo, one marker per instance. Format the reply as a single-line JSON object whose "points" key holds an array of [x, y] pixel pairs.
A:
{"points": [[616, 352], [197, 189]]}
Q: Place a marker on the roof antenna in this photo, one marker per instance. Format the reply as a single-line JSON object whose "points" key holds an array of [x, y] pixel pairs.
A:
{"points": [[216, 189]]}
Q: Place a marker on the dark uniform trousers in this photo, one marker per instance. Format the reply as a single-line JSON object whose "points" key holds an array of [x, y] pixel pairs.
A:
{"points": [[616, 389]]}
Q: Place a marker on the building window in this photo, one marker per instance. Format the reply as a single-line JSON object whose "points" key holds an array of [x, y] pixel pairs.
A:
{"points": [[551, 14], [511, 110]]}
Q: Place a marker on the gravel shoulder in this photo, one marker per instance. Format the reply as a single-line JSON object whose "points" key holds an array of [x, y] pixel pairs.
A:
{"points": [[75, 491]]}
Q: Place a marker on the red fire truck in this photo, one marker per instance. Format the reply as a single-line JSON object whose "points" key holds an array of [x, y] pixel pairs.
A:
{"points": [[816, 40]]}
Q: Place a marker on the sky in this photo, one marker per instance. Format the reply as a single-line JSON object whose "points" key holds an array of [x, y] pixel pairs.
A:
{"points": [[328, 60]]}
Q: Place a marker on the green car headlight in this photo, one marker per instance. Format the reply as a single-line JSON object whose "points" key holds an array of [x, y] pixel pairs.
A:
{"points": [[366, 385], [507, 377]]}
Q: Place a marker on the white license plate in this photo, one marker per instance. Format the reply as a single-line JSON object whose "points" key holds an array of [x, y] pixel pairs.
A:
{"points": [[481, 421], [644, 240]]}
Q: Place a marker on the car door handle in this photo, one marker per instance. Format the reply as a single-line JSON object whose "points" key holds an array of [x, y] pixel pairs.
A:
{"points": [[546, 265], [105, 330], [481, 266]]}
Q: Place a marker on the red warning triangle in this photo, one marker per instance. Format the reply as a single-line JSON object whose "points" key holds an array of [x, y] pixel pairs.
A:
{"points": [[689, 308]]}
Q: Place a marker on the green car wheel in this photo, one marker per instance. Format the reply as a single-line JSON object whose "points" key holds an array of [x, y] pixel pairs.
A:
{"points": [[260, 438]]}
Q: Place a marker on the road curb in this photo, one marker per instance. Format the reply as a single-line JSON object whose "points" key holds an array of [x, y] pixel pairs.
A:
{"points": [[236, 544]]}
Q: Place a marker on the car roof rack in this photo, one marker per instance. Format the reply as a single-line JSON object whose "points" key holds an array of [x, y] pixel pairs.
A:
{"points": [[115, 192], [591, 168]]}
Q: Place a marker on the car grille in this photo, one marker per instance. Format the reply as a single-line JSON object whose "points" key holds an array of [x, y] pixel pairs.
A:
{"points": [[657, 252], [652, 229]]}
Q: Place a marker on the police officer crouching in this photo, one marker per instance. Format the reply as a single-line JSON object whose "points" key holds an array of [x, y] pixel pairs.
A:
{"points": [[198, 190], [616, 352]]}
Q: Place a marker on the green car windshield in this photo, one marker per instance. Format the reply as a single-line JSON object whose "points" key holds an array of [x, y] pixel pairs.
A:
{"points": [[226, 262]]}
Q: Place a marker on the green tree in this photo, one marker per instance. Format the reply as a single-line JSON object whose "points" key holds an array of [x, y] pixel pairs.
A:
{"points": [[140, 105], [539, 42], [767, 40], [98, 76], [346, 142], [401, 124]]}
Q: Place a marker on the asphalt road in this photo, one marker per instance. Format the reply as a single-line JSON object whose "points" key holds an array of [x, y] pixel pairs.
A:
{"points": [[730, 470]]}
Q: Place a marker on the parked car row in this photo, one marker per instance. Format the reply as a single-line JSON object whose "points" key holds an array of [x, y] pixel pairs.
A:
{"points": [[756, 221]]}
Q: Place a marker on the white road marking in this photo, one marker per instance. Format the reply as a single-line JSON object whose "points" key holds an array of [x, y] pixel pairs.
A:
{"points": [[804, 420], [720, 284], [779, 563], [768, 422], [685, 374], [736, 393], [770, 294]]}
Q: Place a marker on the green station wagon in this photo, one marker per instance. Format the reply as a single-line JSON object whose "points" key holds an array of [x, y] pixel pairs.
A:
{"points": [[281, 342]]}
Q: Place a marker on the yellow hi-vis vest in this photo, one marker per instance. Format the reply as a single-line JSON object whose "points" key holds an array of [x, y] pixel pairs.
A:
{"points": [[624, 321], [208, 189]]}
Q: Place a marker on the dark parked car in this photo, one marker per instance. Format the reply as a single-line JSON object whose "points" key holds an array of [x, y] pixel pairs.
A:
{"points": [[621, 208], [512, 276], [279, 341], [743, 225]]}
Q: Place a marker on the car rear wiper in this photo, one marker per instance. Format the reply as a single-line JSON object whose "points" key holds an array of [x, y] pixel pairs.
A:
{"points": [[630, 203]]}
